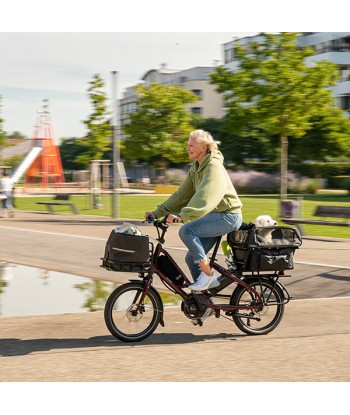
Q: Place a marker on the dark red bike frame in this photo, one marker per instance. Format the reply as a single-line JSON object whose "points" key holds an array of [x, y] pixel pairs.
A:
{"points": [[148, 278]]}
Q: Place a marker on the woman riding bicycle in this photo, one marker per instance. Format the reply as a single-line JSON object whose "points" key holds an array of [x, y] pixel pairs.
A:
{"points": [[208, 205]]}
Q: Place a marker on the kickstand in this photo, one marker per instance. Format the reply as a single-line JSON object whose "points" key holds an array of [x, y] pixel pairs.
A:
{"points": [[200, 322]]}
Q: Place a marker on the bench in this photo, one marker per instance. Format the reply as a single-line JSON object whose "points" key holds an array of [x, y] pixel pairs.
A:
{"points": [[58, 202], [326, 212]]}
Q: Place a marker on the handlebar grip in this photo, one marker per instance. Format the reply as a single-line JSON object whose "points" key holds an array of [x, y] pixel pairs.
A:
{"points": [[176, 220]]}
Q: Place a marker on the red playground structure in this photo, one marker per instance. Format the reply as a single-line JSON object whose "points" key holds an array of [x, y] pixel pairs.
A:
{"points": [[46, 166]]}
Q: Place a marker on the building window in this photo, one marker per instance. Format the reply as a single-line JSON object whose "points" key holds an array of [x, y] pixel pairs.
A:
{"points": [[229, 55], [197, 110], [197, 92], [345, 73], [345, 102]]}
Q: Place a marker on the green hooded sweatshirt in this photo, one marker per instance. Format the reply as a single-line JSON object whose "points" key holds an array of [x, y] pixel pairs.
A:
{"points": [[206, 188]]}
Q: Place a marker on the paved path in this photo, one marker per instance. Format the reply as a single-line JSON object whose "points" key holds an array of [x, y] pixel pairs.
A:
{"points": [[312, 343], [74, 244]]}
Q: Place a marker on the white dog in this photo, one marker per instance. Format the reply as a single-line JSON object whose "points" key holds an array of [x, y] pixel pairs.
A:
{"points": [[263, 221]]}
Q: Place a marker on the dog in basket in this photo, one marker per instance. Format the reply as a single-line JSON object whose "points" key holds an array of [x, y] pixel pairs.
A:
{"points": [[265, 221]]}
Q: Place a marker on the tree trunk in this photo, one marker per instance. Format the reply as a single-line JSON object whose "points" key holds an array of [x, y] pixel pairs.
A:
{"points": [[284, 167]]}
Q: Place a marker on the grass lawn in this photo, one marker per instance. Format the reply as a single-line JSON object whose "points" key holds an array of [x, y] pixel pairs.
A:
{"points": [[134, 206]]}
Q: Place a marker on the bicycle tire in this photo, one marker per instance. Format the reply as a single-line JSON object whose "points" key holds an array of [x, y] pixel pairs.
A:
{"points": [[123, 320], [270, 314]]}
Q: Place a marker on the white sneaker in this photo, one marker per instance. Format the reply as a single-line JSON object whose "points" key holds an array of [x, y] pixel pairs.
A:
{"points": [[215, 282], [203, 282]]}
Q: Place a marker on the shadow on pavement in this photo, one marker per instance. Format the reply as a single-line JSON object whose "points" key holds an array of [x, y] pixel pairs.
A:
{"points": [[18, 347]]}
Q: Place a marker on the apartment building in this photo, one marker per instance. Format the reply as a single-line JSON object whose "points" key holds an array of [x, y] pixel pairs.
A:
{"points": [[196, 80], [330, 46], [333, 47]]}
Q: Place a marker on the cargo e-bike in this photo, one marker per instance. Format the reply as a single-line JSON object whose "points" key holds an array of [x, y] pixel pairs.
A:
{"points": [[254, 268]]}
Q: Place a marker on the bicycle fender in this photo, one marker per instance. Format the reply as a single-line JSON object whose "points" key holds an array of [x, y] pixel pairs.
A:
{"points": [[285, 292], [287, 297], [161, 321]]}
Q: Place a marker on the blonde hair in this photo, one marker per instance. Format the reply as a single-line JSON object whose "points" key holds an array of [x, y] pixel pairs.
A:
{"points": [[203, 137]]}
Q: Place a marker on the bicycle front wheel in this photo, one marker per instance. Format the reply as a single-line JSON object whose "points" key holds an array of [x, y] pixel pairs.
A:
{"points": [[127, 317], [265, 317]]}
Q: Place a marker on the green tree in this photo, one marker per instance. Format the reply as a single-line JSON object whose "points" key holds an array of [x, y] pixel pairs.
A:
{"points": [[239, 148], [97, 141], [330, 135], [16, 135], [159, 129], [70, 149], [274, 90]]}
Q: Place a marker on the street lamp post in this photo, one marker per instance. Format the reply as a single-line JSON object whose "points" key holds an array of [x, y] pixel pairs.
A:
{"points": [[116, 155]]}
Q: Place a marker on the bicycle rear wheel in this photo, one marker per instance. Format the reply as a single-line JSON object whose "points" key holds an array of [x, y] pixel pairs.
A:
{"points": [[127, 318], [264, 318]]}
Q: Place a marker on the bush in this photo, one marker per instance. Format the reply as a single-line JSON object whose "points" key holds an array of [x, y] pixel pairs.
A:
{"points": [[312, 186], [304, 185], [251, 181], [264, 166], [174, 176], [254, 181], [346, 184], [336, 182], [322, 169]]}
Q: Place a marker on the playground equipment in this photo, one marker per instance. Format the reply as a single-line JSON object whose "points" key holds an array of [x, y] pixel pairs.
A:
{"points": [[42, 165], [101, 178], [98, 179]]}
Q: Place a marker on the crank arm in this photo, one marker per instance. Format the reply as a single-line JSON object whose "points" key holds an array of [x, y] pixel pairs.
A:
{"points": [[232, 313]]}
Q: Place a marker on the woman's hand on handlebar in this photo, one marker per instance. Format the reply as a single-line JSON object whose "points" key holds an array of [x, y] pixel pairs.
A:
{"points": [[150, 216], [173, 219]]}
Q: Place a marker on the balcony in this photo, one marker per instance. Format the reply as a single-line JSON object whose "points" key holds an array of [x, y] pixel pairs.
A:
{"points": [[328, 48]]}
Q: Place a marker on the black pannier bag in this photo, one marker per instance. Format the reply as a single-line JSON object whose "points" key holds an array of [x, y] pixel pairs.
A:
{"points": [[165, 265], [127, 253], [271, 259], [264, 249]]}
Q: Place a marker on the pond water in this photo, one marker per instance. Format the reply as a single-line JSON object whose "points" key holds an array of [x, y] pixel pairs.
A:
{"points": [[28, 291]]}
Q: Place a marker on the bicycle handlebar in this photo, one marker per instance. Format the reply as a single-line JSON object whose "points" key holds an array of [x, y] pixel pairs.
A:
{"points": [[159, 222]]}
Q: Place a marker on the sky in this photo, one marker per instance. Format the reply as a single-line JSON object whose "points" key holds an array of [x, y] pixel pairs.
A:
{"points": [[51, 50], [59, 67]]}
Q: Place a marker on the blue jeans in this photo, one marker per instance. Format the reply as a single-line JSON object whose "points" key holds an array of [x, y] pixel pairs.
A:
{"points": [[7, 203], [200, 236]]}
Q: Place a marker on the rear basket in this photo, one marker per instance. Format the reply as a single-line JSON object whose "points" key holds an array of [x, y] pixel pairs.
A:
{"points": [[264, 249], [127, 253]]}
